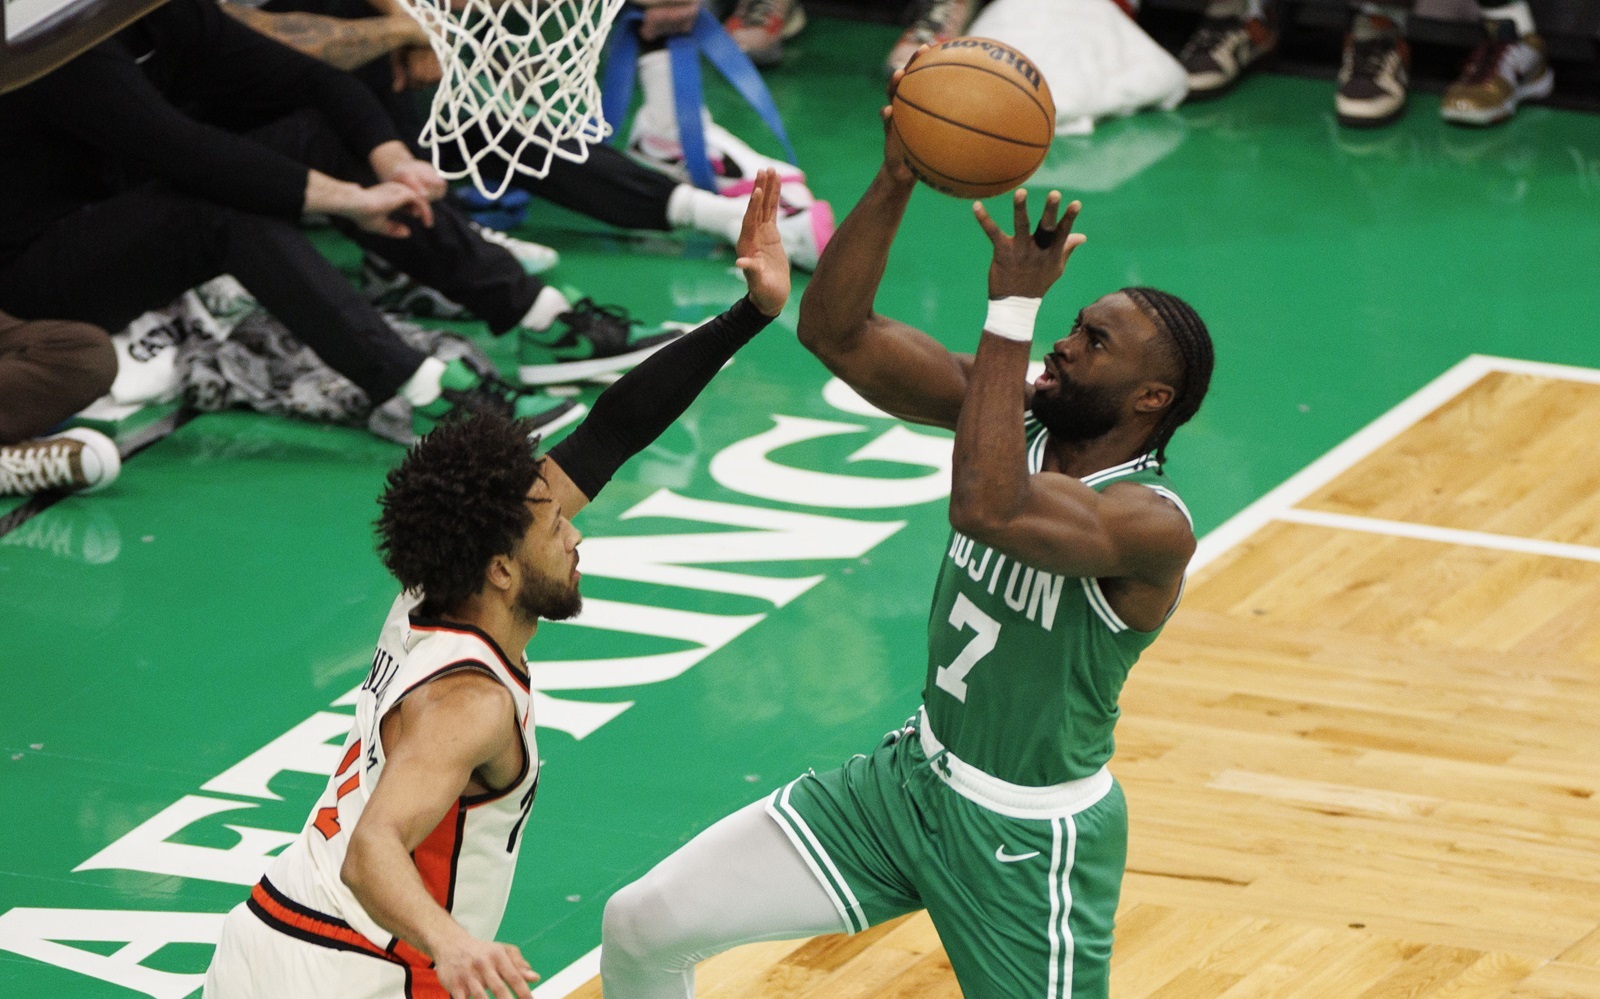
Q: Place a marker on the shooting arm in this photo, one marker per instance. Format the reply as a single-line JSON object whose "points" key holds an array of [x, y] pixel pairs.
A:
{"points": [[896, 367]]}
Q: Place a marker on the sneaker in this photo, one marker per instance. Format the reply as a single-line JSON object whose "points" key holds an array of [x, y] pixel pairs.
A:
{"points": [[760, 27], [733, 163], [1504, 71], [465, 390], [1222, 50], [391, 290], [805, 233], [936, 21], [587, 341], [76, 460], [535, 258], [1373, 75]]}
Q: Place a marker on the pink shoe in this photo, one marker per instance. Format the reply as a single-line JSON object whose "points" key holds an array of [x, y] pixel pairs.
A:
{"points": [[805, 233]]}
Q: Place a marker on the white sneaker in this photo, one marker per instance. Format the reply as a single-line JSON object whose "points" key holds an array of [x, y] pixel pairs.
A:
{"points": [[79, 459], [535, 258], [805, 233], [733, 163]]}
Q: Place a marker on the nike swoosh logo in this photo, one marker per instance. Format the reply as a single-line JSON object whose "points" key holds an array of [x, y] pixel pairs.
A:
{"points": [[1001, 855], [550, 339]]}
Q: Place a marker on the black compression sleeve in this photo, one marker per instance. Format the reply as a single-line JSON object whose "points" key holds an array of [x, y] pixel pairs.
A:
{"points": [[634, 411]]}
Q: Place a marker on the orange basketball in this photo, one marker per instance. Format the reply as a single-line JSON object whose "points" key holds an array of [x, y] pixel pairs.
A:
{"points": [[975, 116]]}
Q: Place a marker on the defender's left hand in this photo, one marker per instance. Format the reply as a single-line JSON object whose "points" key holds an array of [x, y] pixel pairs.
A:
{"points": [[760, 248], [1028, 262]]}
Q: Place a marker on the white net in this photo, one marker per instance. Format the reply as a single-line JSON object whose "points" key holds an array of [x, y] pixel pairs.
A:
{"points": [[519, 85]]}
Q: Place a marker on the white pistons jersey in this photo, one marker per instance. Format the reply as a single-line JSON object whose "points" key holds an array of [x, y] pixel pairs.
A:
{"points": [[466, 862]]}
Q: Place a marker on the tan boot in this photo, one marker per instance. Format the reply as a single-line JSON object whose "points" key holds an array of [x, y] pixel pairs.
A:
{"points": [[1504, 71]]}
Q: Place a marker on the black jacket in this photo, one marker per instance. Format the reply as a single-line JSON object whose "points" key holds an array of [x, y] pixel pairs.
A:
{"points": [[167, 99]]}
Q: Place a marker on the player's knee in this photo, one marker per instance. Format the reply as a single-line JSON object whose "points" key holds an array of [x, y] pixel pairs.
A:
{"points": [[638, 922]]}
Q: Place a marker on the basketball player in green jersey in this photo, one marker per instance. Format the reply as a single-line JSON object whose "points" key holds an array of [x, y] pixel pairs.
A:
{"points": [[992, 808]]}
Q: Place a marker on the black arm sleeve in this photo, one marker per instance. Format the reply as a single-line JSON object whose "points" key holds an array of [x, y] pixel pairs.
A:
{"points": [[634, 411]]}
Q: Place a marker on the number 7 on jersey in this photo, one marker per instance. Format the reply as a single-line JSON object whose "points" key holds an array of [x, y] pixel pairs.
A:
{"points": [[952, 679]]}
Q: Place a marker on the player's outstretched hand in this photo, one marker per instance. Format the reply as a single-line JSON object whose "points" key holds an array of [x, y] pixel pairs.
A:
{"points": [[476, 969], [760, 248], [1029, 261]]}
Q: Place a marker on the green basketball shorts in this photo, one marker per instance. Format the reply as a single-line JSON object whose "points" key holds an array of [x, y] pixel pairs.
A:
{"points": [[1021, 882]]}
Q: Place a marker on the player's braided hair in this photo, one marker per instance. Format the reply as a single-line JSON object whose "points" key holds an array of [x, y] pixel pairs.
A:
{"points": [[1188, 347], [456, 501]]}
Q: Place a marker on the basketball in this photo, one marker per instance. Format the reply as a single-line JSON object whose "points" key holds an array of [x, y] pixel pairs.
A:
{"points": [[975, 117]]}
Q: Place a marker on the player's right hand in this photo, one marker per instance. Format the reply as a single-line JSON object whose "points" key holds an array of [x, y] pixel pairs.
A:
{"points": [[477, 969], [376, 207], [894, 151]]}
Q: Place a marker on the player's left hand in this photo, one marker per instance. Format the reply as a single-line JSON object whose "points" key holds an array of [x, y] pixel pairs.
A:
{"points": [[760, 249], [1030, 260]]}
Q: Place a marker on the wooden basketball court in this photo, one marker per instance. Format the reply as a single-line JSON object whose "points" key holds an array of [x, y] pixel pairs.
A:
{"points": [[1361, 763]]}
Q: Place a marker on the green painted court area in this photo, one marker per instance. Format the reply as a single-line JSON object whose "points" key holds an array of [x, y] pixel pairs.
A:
{"points": [[174, 650]]}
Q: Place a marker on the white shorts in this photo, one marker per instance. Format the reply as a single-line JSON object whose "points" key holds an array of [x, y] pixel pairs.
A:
{"points": [[257, 961]]}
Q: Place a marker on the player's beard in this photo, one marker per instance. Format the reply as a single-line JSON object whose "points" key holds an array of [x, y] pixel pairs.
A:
{"points": [[544, 597], [1075, 413]]}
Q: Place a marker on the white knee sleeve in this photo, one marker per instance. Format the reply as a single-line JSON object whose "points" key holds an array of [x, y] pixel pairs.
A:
{"points": [[738, 882]]}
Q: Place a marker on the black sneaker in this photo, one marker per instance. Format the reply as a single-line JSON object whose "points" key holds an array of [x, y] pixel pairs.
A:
{"points": [[465, 390], [587, 341], [1373, 75], [1222, 50], [391, 290]]}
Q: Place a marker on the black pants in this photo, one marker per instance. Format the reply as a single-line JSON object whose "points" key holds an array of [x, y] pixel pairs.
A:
{"points": [[610, 187], [108, 263], [49, 369]]}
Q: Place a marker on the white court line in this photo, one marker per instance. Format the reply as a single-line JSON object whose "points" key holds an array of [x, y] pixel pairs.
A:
{"points": [[1273, 506], [1446, 535], [571, 978], [1369, 439], [1339, 460], [1559, 372]]}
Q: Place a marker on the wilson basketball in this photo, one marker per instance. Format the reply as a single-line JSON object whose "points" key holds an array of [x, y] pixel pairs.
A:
{"points": [[975, 117]]}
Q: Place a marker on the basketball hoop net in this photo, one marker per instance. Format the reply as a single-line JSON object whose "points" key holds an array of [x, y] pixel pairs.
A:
{"points": [[518, 86]]}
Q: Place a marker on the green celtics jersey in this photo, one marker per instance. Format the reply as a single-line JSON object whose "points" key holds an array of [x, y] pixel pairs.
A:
{"points": [[1025, 666]]}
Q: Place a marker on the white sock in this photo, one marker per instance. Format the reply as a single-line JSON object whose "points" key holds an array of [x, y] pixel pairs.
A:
{"points": [[1518, 13], [423, 386], [707, 212], [550, 304], [658, 115], [1363, 28]]}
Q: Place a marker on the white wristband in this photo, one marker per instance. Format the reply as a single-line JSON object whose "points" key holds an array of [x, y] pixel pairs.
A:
{"points": [[1012, 317]]}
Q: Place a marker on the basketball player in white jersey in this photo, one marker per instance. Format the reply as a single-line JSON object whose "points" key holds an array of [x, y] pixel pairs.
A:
{"points": [[397, 884]]}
